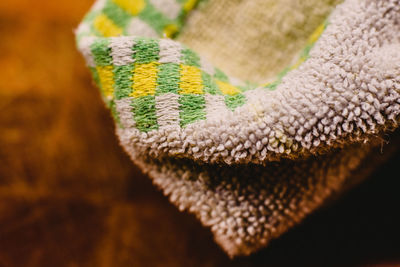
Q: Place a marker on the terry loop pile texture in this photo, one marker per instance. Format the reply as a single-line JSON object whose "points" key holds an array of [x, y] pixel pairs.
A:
{"points": [[250, 161]]}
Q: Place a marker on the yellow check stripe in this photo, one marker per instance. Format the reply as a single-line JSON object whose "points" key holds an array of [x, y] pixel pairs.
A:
{"points": [[189, 5], [170, 30], [317, 33], [191, 81], [133, 7], [106, 78], [106, 26], [145, 79], [227, 89]]}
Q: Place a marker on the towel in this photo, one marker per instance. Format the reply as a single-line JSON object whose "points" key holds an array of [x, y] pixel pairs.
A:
{"points": [[250, 159]]}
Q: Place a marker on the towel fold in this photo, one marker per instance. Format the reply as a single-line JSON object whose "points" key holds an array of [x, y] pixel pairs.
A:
{"points": [[249, 160]]}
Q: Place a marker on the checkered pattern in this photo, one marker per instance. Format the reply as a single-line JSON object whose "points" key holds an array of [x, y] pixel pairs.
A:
{"points": [[144, 69]]}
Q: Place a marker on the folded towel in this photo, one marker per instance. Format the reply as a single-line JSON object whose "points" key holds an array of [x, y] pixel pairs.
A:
{"points": [[249, 160]]}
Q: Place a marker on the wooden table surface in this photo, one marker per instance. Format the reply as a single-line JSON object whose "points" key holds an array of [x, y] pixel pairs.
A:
{"points": [[69, 196]]}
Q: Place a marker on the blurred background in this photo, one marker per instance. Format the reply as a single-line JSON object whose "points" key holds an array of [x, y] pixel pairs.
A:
{"points": [[69, 195]]}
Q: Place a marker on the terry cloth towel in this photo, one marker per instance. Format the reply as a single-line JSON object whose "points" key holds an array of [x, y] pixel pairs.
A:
{"points": [[249, 160]]}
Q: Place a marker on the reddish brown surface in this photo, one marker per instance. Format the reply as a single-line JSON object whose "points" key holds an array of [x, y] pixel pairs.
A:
{"points": [[69, 196]]}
